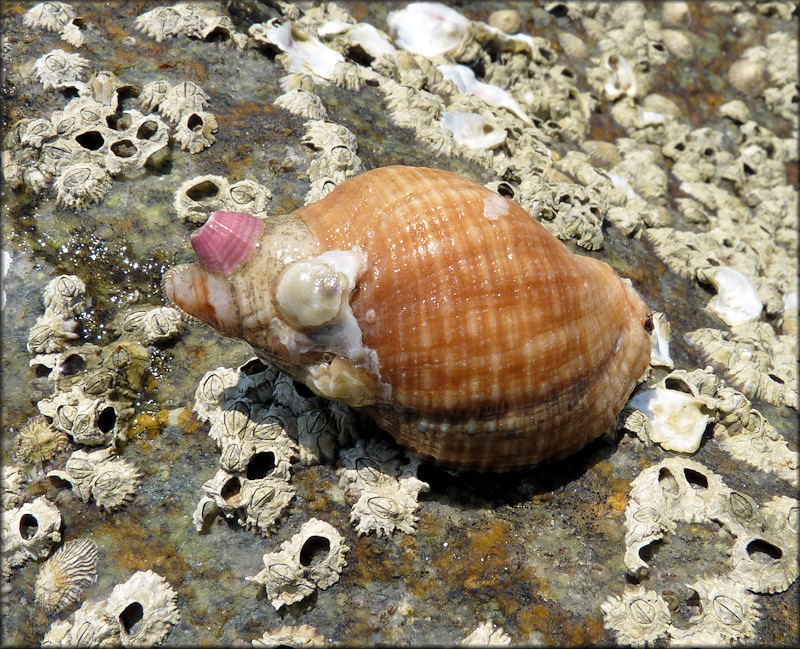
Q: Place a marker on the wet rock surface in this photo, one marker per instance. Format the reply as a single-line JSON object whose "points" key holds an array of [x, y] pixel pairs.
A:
{"points": [[661, 141]]}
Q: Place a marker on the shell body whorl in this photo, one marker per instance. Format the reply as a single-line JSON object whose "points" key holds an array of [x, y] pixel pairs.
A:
{"points": [[480, 340]]}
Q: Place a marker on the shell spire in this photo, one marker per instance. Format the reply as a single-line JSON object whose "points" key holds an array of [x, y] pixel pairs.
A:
{"points": [[442, 310]]}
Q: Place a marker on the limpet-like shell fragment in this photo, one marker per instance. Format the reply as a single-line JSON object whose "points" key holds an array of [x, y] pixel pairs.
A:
{"points": [[64, 576], [312, 559], [677, 420]]}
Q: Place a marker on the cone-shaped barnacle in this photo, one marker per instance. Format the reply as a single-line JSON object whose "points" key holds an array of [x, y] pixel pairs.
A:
{"points": [[438, 307]]}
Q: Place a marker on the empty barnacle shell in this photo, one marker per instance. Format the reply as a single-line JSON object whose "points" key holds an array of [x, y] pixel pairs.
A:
{"points": [[486, 634], [195, 131], [637, 616], [290, 636], [144, 609], [727, 613], [59, 68], [39, 442], [30, 531], [312, 559], [391, 348], [64, 576]]}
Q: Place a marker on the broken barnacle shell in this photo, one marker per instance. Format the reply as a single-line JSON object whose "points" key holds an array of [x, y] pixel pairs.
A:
{"points": [[30, 531], [727, 614], [197, 198], [312, 559], [659, 339], [302, 102], [473, 130], [58, 69], [153, 94], [38, 441], [65, 575], [383, 492], [81, 184], [736, 300], [428, 28], [622, 82], [151, 325], [303, 52], [486, 634], [675, 420], [637, 616], [144, 609], [57, 17], [12, 481], [290, 636], [110, 480], [195, 131], [89, 626]]}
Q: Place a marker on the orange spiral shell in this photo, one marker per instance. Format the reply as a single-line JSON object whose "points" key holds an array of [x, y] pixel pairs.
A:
{"points": [[489, 345], [502, 347]]}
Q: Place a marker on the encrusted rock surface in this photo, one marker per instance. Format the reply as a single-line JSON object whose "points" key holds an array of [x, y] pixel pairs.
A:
{"points": [[659, 138]]}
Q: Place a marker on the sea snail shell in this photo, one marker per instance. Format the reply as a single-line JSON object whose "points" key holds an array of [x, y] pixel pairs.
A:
{"points": [[438, 307]]}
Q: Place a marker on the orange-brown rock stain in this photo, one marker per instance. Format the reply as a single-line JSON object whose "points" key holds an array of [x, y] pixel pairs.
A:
{"points": [[558, 626]]}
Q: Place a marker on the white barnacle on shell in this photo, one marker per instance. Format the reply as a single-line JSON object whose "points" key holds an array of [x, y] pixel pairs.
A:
{"points": [[144, 608], [637, 616], [59, 68], [65, 575], [312, 559]]}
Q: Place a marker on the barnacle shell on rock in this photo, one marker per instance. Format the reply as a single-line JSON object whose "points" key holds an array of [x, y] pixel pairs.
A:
{"points": [[30, 531], [64, 576], [39, 442], [144, 608], [637, 616], [313, 558], [89, 626], [486, 635], [290, 636], [441, 309]]}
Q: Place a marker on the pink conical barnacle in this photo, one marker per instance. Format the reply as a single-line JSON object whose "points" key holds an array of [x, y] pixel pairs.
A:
{"points": [[226, 240]]}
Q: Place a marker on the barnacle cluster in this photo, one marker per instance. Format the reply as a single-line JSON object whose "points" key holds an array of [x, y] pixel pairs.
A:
{"points": [[335, 158], [199, 20], [57, 17], [138, 612], [685, 405], [312, 559], [199, 197], [763, 558]]}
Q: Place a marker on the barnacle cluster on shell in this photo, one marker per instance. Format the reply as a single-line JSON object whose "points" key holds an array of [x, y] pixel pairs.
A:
{"points": [[199, 197], [382, 490], [311, 560], [199, 20], [57, 17], [486, 635], [65, 575], [101, 475], [139, 612], [764, 554], [29, 532]]}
